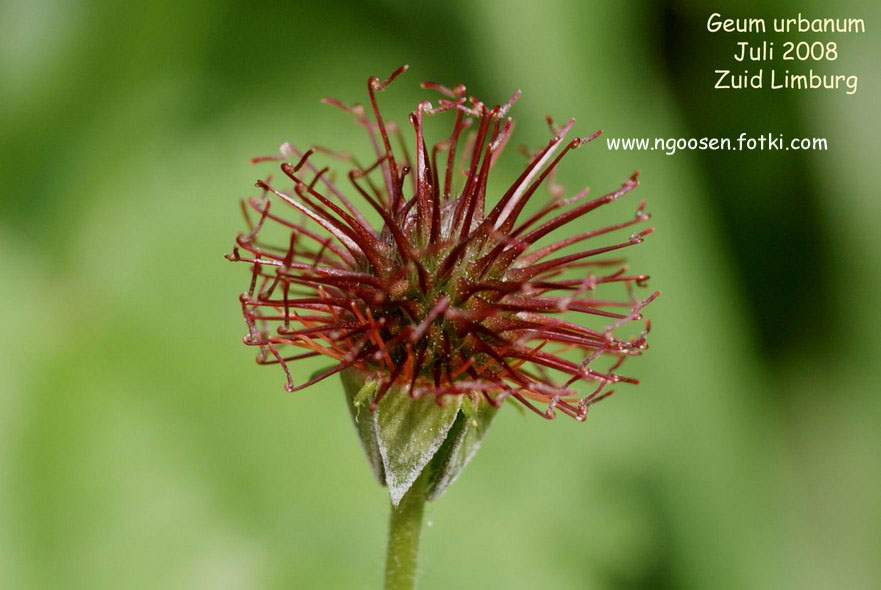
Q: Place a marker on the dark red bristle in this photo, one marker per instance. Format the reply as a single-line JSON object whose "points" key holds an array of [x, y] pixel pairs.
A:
{"points": [[451, 294]]}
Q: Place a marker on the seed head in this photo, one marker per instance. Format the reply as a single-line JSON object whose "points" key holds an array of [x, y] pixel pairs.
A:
{"points": [[446, 293]]}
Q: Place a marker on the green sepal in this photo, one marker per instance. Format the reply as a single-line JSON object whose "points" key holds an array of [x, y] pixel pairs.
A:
{"points": [[409, 433], [461, 444], [359, 388], [405, 436]]}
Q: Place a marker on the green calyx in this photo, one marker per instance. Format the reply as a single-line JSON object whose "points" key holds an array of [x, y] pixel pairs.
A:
{"points": [[404, 436]]}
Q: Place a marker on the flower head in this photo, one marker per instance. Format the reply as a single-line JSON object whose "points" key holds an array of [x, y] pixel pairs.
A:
{"points": [[446, 292]]}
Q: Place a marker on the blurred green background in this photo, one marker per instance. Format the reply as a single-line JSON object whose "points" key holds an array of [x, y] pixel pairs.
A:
{"points": [[141, 447]]}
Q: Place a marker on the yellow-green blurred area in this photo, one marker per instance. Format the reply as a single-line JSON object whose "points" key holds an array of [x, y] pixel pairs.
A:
{"points": [[142, 447]]}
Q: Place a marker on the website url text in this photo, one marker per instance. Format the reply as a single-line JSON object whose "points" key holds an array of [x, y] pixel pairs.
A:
{"points": [[670, 145]]}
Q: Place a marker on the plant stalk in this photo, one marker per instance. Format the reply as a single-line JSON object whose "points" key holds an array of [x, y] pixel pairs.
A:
{"points": [[405, 528]]}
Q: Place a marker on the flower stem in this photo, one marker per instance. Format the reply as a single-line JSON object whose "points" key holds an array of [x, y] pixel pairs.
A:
{"points": [[405, 528]]}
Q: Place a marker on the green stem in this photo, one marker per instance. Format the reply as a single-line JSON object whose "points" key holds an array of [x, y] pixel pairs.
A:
{"points": [[405, 527]]}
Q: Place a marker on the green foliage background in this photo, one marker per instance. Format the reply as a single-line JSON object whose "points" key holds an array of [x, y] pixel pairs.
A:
{"points": [[140, 447]]}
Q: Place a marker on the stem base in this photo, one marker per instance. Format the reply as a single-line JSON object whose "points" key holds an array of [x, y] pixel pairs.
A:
{"points": [[405, 529]]}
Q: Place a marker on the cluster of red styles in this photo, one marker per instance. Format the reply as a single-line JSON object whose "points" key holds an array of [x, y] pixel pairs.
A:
{"points": [[444, 294]]}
